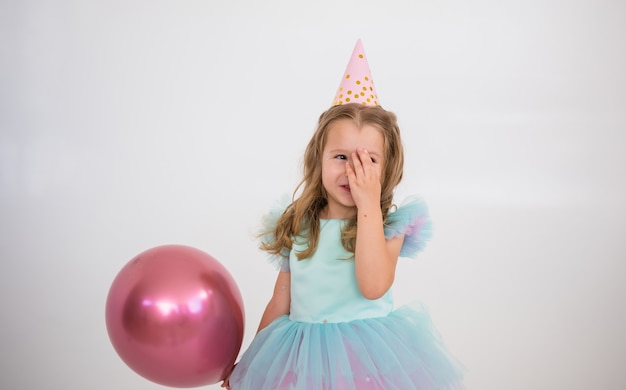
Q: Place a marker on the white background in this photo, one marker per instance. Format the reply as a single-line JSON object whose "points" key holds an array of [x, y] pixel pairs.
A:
{"points": [[130, 124]]}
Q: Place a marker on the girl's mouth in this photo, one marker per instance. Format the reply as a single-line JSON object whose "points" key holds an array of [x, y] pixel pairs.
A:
{"points": [[346, 187]]}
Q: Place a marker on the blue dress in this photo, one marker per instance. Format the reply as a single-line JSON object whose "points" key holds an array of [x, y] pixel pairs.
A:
{"points": [[334, 338]]}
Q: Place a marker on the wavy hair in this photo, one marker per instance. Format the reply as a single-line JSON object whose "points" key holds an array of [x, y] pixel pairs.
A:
{"points": [[300, 220]]}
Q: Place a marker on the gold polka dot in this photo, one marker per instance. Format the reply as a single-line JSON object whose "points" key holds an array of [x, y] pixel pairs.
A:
{"points": [[360, 55], [350, 92], [362, 94], [365, 104], [347, 100], [369, 100], [365, 88], [341, 95], [366, 78], [371, 89], [347, 76], [340, 89], [358, 82]]}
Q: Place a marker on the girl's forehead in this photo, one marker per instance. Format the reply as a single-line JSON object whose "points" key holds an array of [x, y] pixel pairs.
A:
{"points": [[345, 133]]}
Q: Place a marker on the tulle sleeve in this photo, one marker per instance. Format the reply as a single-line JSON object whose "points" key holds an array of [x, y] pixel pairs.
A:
{"points": [[268, 225], [412, 221]]}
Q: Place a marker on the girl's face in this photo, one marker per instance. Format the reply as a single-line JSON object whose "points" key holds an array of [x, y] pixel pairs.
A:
{"points": [[343, 138]]}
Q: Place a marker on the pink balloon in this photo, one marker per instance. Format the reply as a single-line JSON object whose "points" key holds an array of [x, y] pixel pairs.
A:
{"points": [[175, 316]]}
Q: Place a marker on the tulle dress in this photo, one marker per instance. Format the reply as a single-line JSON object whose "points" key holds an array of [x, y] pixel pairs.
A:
{"points": [[334, 338]]}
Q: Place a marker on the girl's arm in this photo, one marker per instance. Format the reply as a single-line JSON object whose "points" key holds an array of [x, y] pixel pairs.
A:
{"points": [[277, 306], [375, 258], [280, 302]]}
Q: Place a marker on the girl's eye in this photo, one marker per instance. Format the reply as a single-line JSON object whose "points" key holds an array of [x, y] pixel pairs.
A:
{"points": [[374, 161], [341, 157]]}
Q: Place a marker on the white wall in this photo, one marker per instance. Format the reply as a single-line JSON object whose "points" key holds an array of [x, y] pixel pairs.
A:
{"points": [[129, 124]]}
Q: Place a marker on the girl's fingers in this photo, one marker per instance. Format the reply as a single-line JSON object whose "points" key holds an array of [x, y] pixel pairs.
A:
{"points": [[362, 166], [365, 161], [356, 161], [349, 170]]}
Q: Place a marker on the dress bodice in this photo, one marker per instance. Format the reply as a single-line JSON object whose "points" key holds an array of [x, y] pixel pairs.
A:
{"points": [[323, 286]]}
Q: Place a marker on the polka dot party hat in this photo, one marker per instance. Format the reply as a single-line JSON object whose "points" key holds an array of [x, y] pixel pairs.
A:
{"points": [[357, 85]]}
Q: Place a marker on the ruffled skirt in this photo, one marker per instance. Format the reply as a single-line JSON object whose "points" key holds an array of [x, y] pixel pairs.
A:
{"points": [[400, 351]]}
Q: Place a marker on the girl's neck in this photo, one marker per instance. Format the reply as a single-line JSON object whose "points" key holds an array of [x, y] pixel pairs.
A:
{"points": [[326, 213]]}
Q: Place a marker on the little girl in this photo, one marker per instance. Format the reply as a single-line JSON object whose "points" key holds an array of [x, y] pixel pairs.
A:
{"points": [[330, 323]]}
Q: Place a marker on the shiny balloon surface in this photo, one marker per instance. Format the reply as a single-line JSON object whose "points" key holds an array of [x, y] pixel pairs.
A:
{"points": [[174, 314]]}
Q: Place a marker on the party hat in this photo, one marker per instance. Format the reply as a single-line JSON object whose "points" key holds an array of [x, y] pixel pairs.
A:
{"points": [[357, 85]]}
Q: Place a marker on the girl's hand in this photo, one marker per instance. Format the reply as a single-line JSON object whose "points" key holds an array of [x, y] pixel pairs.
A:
{"points": [[364, 179], [226, 383]]}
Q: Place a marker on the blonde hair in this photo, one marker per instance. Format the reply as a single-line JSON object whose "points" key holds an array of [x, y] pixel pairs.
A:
{"points": [[301, 217]]}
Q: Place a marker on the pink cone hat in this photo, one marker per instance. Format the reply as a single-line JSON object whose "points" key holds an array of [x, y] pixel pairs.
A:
{"points": [[357, 85]]}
